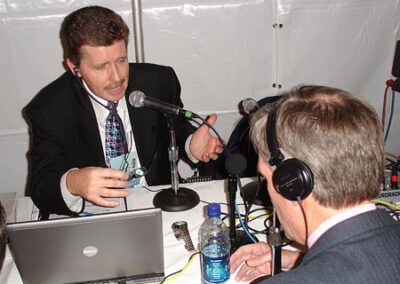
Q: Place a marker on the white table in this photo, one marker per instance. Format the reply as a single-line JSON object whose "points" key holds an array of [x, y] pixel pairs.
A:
{"points": [[175, 255]]}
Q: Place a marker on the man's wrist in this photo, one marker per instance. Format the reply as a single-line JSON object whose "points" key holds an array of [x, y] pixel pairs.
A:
{"points": [[187, 149], [73, 202]]}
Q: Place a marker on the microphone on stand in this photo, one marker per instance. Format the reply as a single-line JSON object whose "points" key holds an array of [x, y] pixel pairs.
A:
{"points": [[276, 242], [235, 164], [250, 105], [254, 192], [175, 198], [139, 99]]}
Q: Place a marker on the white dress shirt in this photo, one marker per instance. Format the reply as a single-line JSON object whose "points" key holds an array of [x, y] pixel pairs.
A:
{"points": [[75, 203]]}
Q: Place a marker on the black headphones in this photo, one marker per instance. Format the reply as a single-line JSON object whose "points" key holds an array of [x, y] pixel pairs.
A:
{"points": [[292, 178]]}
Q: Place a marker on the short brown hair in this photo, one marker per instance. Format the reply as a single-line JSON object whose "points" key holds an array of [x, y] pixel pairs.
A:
{"points": [[94, 26], [337, 134]]}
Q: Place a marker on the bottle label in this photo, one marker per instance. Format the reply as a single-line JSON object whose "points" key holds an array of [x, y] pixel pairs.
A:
{"points": [[215, 269]]}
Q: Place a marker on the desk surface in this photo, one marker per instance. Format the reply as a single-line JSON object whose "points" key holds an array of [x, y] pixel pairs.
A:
{"points": [[175, 255]]}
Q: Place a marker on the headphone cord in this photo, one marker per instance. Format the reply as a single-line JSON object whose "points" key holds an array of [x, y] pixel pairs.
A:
{"points": [[305, 220]]}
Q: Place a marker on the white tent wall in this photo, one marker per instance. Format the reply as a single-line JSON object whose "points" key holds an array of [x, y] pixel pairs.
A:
{"points": [[222, 51]]}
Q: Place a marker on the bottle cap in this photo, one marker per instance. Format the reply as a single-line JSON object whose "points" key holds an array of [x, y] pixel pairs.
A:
{"points": [[213, 210]]}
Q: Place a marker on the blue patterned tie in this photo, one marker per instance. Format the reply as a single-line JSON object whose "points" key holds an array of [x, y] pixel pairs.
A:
{"points": [[115, 136]]}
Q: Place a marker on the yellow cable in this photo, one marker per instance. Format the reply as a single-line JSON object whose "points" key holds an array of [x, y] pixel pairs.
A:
{"points": [[184, 268], [197, 250], [252, 217], [386, 203]]}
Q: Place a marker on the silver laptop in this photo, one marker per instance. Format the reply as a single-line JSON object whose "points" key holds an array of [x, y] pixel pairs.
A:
{"points": [[107, 247]]}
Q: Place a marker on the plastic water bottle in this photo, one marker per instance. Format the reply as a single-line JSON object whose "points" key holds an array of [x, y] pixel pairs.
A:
{"points": [[214, 247]]}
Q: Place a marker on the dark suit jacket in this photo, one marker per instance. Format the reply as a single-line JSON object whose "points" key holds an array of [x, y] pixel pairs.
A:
{"points": [[363, 249], [66, 135]]}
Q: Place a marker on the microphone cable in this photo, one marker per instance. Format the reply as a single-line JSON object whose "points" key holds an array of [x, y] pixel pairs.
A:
{"points": [[246, 205], [176, 274], [243, 225], [226, 150], [211, 127]]}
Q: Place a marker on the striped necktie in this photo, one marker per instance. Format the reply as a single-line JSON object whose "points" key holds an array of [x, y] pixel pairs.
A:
{"points": [[115, 141]]}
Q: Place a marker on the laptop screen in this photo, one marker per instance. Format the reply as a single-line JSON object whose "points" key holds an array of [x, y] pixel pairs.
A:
{"points": [[122, 245]]}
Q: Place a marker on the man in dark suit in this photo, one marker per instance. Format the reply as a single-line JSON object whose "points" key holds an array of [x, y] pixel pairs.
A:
{"points": [[321, 151], [68, 118]]}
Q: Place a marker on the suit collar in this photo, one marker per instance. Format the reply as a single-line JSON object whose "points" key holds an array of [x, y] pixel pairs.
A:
{"points": [[349, 229], [87, 126]]}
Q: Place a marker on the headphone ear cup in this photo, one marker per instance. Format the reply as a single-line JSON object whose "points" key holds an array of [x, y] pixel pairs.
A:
{"points": [[292, 179]]}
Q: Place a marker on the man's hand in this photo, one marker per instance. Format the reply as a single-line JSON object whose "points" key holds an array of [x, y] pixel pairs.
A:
{"points": [[257, 261], [203, 145], [93, 184]]}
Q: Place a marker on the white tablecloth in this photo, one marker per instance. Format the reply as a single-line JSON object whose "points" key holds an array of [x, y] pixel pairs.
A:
{"points": [[176, 256]]}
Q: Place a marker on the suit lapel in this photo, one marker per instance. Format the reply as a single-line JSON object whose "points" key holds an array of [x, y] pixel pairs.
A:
{"points": [[88, 129], [144, 131]]}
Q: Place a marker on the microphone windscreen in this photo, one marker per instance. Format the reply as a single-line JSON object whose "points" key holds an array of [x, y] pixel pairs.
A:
{"points": [[250, 105], [235, 163], [136, 98]]}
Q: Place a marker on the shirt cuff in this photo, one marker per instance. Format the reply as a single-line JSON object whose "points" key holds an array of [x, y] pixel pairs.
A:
{"points": [[187, 149], [74, 203]]}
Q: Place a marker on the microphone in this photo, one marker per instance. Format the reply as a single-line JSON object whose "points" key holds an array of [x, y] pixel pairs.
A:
{"points": [[139, 99], [250, 105], [235, 163]]}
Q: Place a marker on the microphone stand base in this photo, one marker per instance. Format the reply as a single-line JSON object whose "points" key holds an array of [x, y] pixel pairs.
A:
{"points": [[241, 239], [167, 200]]}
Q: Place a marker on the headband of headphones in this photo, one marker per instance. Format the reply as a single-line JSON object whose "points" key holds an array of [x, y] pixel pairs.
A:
{"points": [[292, 178], [276, 155]]}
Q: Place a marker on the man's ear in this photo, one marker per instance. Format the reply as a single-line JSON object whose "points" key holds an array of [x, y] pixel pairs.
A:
{"points": [[74, 69]]}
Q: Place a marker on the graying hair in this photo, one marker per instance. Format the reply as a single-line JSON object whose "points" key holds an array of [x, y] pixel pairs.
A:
{"points": [[337, 134]]}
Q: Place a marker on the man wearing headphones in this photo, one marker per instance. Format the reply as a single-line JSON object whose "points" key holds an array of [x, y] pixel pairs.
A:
{"points": [[321, 151], [83, 123]]}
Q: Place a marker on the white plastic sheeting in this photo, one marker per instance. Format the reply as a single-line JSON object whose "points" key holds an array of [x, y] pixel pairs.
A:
{"points": [[222, 50]]}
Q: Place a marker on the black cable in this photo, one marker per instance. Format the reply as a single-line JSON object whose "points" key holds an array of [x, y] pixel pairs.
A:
{"points": [[254, 231], [169, 275], [265, 231], [228, 152], [250, 203], [126, 155], [207, 202], [90, 95], [269, 219], [126, 204], [269, 210], [213, 129], [246, 204], [151, 190], [176, 272], [305, 220]]}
